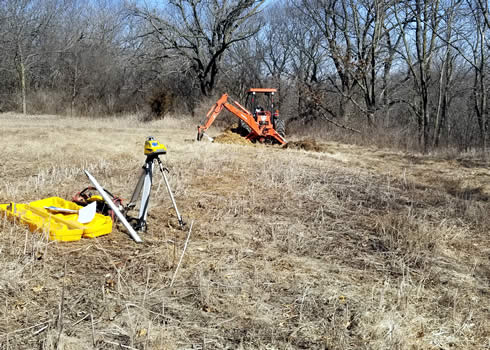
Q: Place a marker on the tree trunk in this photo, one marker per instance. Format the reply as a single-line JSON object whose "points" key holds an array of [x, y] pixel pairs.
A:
{"points": [[480, 109], [420, 125], [426, 118], [74, 91], [22, 79], [441, 103]]}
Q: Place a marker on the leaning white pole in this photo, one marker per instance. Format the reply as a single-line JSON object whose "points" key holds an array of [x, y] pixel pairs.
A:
{"points": [[111, 204]]}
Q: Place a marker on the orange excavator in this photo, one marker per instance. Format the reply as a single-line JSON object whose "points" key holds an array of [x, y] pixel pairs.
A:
{"points": [[261, 125]]}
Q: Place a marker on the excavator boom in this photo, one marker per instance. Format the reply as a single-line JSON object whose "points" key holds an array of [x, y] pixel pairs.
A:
{"points": [[260, 130]]}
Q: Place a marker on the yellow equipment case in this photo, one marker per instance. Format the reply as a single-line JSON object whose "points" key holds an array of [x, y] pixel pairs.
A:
{"points": [[58, 226]]}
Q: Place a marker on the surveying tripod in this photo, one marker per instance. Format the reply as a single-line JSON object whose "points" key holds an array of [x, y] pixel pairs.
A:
{"points": [[153, 150]]}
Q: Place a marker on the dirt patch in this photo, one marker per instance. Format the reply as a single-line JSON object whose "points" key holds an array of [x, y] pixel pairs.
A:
{"points": [[307, 145], [229, 137]]}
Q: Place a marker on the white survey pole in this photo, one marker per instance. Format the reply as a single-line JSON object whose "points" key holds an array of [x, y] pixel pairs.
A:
{"points": [[111, 204]]}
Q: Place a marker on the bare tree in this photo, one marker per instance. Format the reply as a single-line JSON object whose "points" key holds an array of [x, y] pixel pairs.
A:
{"points": [[368, 28], [94, 62], [425, 16], [201, 31], [277, 46], [331, 17], [352, 33], [479, 60], [484, 11], [243, 68], [446, 70], [310, 73], [468, 40], [25, 23]]}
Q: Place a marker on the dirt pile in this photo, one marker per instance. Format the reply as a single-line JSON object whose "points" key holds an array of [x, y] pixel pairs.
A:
{"points": [[230, 137], [307, 145]]}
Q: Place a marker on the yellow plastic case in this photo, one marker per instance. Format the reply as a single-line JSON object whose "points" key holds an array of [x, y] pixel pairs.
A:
{"points": [[59, 226]]}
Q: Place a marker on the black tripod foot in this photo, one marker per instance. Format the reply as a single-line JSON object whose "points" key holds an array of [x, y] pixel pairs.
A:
{"points": [[182, 224], [137, 224]]}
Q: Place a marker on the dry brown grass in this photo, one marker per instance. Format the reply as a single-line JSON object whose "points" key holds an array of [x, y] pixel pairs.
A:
{"points": [[344, 249]]}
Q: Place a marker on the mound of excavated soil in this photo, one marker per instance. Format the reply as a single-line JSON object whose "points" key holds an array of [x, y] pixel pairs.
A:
{"points": [[229, 137], [307, 145]]}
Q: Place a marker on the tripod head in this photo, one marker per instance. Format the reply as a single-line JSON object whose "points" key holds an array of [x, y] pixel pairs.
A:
{"points": [[153, 148]]}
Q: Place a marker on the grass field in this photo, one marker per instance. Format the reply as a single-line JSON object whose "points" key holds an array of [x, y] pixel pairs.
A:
{"points": [[343, 248]]}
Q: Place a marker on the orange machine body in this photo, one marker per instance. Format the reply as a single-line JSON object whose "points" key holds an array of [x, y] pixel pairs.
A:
{"points": [[260, 122]]}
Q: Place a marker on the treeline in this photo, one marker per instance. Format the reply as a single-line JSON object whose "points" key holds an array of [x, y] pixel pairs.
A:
{"points": [[410, 73]]}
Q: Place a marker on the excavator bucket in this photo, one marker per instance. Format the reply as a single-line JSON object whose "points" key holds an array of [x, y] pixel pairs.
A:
{"points": [[201, 133]]}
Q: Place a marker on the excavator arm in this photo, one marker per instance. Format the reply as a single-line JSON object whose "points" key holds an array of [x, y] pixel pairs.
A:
{"points": [[239, 111]]}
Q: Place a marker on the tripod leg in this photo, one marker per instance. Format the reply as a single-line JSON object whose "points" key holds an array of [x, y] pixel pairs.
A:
{"points": [[181, 221], [137, 189], [145, 197]]}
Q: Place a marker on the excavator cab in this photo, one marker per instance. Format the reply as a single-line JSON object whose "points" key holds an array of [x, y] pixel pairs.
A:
{"points": [[261, 102], [259, 97]]}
